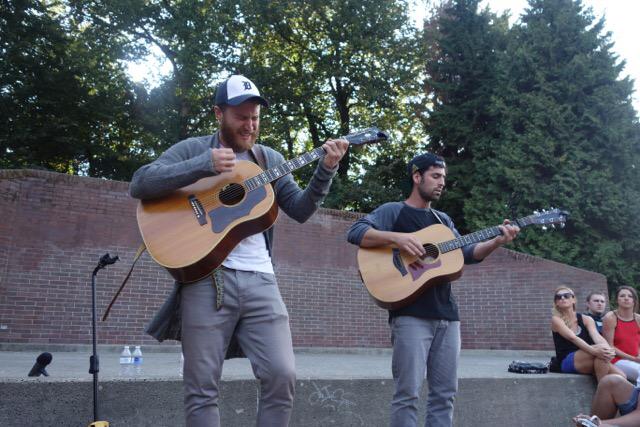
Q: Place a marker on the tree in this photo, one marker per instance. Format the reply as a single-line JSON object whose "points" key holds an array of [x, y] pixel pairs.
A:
{"points": [[331, 67], [464, 65], [569, 138], [326, 70], [65, 101], [193, 37]]}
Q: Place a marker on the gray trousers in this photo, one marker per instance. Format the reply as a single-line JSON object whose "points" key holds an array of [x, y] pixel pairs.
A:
{"points": [[424, 346], [254, 310]]}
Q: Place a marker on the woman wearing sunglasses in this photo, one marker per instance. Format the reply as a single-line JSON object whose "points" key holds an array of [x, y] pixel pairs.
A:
{"points": [[621, 329], [580, 349]]}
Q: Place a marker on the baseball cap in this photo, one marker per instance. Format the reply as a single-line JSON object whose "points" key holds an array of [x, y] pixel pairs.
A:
{"points": [[236, 90], [423, 162]]}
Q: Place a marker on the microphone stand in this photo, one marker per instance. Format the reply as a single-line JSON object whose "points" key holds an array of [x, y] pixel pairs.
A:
{"points": [[94, 361]]}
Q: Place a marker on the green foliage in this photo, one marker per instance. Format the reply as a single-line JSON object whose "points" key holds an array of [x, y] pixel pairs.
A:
{"points": [[64, 98], [330, 67], [192, 37], [565, 135], [464, 68]]}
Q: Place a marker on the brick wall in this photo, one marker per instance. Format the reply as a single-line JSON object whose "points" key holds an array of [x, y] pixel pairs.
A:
{"points": [[55, 227]]}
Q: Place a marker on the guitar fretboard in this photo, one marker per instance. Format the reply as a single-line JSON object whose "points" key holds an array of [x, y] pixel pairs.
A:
{"points": [[274, 173], [365, 136], [478, 236]]}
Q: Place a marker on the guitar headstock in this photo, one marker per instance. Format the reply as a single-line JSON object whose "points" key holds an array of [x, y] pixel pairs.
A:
{"points": [[545, 218], [367, 136]]}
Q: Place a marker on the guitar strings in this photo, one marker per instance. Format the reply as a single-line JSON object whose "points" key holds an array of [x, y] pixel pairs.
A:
{"points": [[241, 188], [431, 251], [237, 190], [230, 193]]}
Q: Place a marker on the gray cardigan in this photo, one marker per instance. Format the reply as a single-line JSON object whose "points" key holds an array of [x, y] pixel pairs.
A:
{"points": [[190, 160]]}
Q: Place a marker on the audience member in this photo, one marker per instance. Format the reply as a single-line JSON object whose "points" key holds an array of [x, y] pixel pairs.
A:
{"points": [[580, 349], [596, 304], [614, 394], [622, 332]]}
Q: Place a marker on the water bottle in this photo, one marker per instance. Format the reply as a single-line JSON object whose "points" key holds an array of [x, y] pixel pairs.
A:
{"points": [[126, 362], [137, 360], [181, 370]]}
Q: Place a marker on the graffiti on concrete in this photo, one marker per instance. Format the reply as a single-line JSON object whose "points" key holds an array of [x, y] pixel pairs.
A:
{"points": [[339, 403]]}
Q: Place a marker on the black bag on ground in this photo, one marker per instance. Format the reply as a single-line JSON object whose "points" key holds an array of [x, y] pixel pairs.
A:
{"points": [[521, 367]]}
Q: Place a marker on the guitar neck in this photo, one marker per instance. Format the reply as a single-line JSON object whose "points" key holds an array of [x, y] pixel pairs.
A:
{"points": [[478, 236], [365, 136], [285, 168]]}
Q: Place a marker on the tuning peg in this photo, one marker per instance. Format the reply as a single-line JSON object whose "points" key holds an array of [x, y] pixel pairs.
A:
{"points": [[553, 226], [536, 212], [544, 227], [562, 224]]}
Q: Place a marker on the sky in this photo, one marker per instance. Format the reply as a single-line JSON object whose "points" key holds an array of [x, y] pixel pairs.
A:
{"points": [[621, 19]]}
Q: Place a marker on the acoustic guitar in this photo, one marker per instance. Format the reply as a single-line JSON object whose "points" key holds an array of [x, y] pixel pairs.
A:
{"points": [[191, 231], [395, 279]]}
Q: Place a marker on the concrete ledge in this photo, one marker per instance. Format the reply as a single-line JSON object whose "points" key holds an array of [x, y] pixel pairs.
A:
{"points": [[333, 389], [526, 402]]}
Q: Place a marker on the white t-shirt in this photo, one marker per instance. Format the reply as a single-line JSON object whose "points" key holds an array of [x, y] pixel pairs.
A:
{"points": [[251, 254]]}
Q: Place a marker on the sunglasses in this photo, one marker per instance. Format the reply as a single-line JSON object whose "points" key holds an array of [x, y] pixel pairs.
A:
{"points": [[566, 295]]}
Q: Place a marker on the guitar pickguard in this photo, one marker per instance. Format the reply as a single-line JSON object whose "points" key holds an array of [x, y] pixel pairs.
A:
{"points": [[222, 216], [418, 267]]}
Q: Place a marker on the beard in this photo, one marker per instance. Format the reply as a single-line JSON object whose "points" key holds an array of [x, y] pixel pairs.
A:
{"points": [[429, 197], [231, 138]]}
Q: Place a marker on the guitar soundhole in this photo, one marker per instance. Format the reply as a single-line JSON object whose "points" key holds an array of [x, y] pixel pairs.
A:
{"points": [[231, 194], [431, 254]]}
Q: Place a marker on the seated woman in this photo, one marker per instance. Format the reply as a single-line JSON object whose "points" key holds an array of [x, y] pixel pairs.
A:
{"points": [[621, 329], [580, 349], [614, 394]]}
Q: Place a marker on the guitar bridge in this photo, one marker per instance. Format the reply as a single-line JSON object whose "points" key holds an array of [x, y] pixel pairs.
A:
{"points": [[198, 210]]}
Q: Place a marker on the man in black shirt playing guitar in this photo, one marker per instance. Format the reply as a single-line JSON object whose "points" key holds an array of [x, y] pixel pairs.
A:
{"points": [[426, 331]]}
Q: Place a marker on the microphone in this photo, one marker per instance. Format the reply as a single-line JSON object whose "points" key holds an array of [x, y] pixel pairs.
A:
{"points": [[41, 362], [106, 259]]}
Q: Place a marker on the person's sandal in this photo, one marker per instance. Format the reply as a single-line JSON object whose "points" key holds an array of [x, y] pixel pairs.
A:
{"points": [[587, 421]]}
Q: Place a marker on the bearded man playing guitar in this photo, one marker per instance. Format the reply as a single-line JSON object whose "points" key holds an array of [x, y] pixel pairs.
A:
{"points": [[240, 299], [425, 333]]}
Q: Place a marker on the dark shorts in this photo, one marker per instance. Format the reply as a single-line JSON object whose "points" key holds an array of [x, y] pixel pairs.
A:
{"points": [[567, 366], [631, 404]]}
